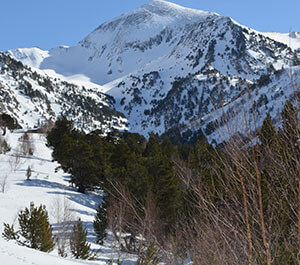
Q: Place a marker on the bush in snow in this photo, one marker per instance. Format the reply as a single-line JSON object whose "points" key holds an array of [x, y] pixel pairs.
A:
{"points": [[79, 247], [28, 173], [27, 146], [35, 230], [4, 146]]}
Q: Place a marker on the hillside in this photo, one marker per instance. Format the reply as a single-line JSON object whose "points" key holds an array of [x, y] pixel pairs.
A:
{"points": [[166, 65], [222, 188], [32, 98], [51, 188]]}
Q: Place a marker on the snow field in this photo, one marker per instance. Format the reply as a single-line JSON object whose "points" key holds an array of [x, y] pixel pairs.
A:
{"points": [[51, 189]]}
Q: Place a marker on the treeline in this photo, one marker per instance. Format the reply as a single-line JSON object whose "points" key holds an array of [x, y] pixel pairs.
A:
{"points": [[235, 204], [144, 168]]}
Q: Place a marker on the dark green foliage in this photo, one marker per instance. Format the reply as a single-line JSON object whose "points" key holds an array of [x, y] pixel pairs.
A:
{"points": [[289, 136], [268, 134], [264, 80], [79, 247], [164, 184], [178, 177], [55, 137], [83, 156], [280, 156], [135, 142], [124, 158], [84, 169], [35, 230], [9, 233], [202, 155], [100, 223], [169, 150], [174, 135], [8, 122], [290, 125]]}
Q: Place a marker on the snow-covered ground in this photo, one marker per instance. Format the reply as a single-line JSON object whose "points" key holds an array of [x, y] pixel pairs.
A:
{"points": [[45, 187], [291, 39]]}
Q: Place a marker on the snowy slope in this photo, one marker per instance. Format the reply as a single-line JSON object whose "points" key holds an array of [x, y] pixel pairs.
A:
{"points": [[46, 187], [32, 98], [144, 58], [30, 56], [120, 46], [291, 39]]}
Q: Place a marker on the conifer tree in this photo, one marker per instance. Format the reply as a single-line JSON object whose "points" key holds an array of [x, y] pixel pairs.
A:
{"points": [[290, 127], [9, 233], [84, 170], [100, 223], [201, 159], [268, 133], [163, 182], [169, 149], [61, 128], [35, 230], [80, 248], [137, 180], [289, 137]]}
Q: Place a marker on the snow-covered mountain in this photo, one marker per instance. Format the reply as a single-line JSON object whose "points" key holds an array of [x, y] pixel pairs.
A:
{"points": [[33, 98], [166, 65]]}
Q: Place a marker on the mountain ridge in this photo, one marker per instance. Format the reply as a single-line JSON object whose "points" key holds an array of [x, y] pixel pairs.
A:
{"points": [[144, 58]]}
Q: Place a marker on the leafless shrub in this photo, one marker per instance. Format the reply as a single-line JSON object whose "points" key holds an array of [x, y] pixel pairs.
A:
{"points": [[135, 227], [61, 212], [15, 160], [3, 183], [46, 127], [252, 214], [26, 144]]}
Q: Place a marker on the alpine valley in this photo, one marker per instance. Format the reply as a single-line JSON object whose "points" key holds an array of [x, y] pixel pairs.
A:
{"points": [[157, 67]]}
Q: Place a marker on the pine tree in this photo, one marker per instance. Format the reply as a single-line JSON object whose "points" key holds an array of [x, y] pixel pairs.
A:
{"points": [[163, 182], [9, 233], [268, 135], [289, 136], [170, 150], [100, 223], [290, 127], [61, 128], [84, 169], [35, 230], [137, 180], [79, 247]]}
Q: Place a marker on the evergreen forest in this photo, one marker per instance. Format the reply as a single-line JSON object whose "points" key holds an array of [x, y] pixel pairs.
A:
{"points": [[169, 200]]}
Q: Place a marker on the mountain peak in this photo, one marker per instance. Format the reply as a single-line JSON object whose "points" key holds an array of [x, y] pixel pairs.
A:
{"points": [[154, 14], [162, 8], [161, 3]]}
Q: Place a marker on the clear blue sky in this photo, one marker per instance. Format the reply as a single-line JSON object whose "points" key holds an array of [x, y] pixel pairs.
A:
{"points": [[49, 23]]}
